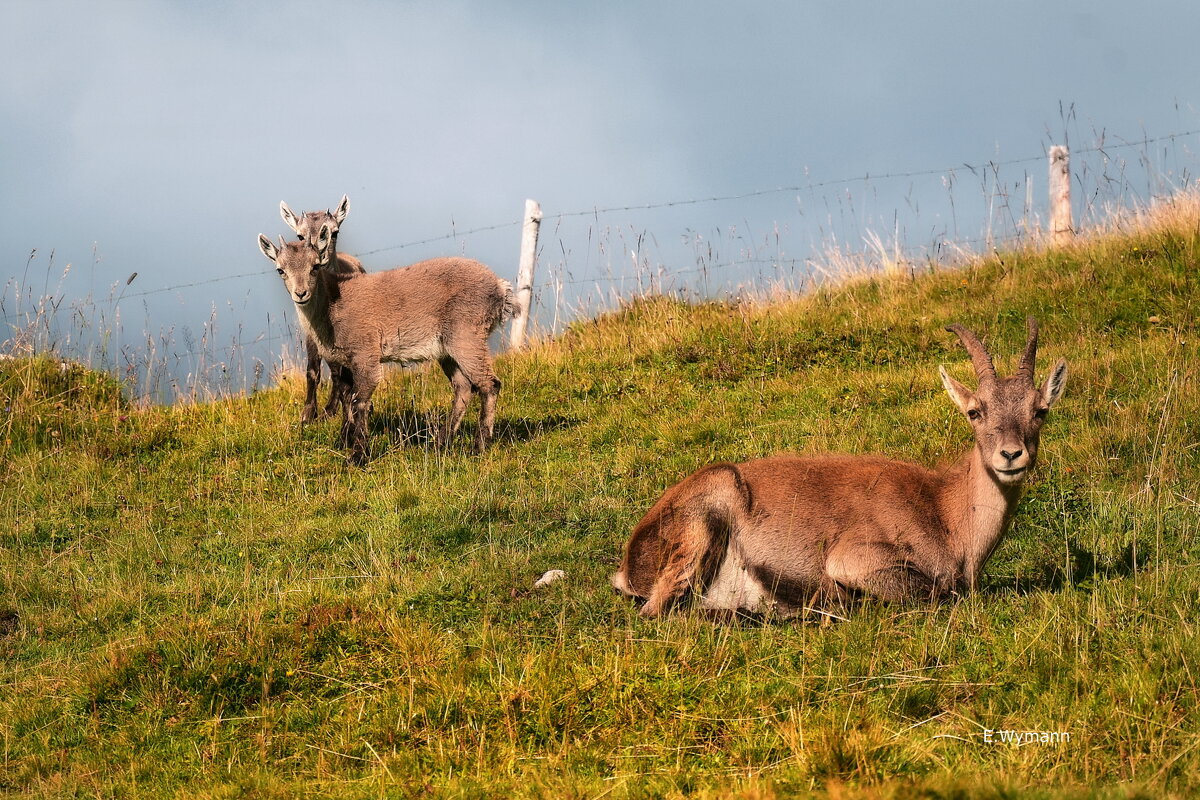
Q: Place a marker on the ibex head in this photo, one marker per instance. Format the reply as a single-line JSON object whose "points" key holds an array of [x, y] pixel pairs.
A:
{"points": [[1006, 413], [319, 229], [298, 264]]}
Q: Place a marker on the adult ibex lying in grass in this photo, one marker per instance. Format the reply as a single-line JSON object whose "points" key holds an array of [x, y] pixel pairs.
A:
{"points": [[308, 227], [783, 533], [443, 309]]}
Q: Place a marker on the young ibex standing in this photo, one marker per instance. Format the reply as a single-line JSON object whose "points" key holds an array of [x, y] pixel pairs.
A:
{"points": [[443, 309], [783, 533], [308, 227]]}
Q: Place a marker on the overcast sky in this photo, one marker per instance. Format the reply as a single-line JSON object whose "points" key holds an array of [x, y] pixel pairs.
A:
{"points": [[159, 137]]}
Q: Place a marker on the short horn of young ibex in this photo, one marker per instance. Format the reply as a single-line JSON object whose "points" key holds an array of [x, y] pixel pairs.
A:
{"points": [[308, 227], [785, 533], [319, 229], [439, 310]]}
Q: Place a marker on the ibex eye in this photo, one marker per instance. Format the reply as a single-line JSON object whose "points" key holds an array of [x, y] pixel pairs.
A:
{"points": [[300, 237], [1041, 413], [974, 414], [280, 271]]}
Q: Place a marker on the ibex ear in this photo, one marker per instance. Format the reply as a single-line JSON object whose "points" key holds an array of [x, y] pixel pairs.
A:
{"points": [[323, 240], [342, 210], [268, 247], [288, 216], [1053, 387], [961, 395]]}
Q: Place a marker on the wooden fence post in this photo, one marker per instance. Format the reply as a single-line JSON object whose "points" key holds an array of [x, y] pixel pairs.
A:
{"points": [[1061, 228], [529, 235]]}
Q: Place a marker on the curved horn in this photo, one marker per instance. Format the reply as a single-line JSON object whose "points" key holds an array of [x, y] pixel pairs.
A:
{"points": [[1025, 368], [984, 370]]}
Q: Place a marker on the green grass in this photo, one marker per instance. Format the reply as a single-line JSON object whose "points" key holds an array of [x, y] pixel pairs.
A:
{"points": [[205, 601]]}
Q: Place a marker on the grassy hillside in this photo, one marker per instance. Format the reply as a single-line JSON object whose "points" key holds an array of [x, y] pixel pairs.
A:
{"points": [[205, 601]]}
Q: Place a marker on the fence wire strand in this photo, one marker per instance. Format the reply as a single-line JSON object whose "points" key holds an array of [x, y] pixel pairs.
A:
{"points": [[808, 187]]}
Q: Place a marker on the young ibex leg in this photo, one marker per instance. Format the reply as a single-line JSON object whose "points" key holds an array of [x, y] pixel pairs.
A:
{"points": [[337, 391], [472, 369], [312, 378], [487, 414], [359, 413], [458, 407], [343, 387]]}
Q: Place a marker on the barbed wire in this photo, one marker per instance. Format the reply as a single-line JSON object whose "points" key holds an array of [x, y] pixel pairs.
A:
{"points": [[1100, 148], [451, 235], [231, 349], [798, 188], [132, 295], [789, 262], [808, 187]]}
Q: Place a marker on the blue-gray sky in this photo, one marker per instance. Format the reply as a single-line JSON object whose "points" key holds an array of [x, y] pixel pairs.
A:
{"points": [[159, 137]]}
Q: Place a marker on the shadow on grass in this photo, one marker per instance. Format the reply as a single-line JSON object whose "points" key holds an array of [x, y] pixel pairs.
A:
{"points": [[404, 427], [412, 428], [1086, 567], [524, 430]]}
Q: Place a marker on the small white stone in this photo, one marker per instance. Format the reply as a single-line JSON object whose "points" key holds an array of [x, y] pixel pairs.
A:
{"points": [[549, 577]]}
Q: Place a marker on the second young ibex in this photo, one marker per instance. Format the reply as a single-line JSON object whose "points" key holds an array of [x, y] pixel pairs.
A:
{"points": [[308, 227], [786, 533], [440, 310]]}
